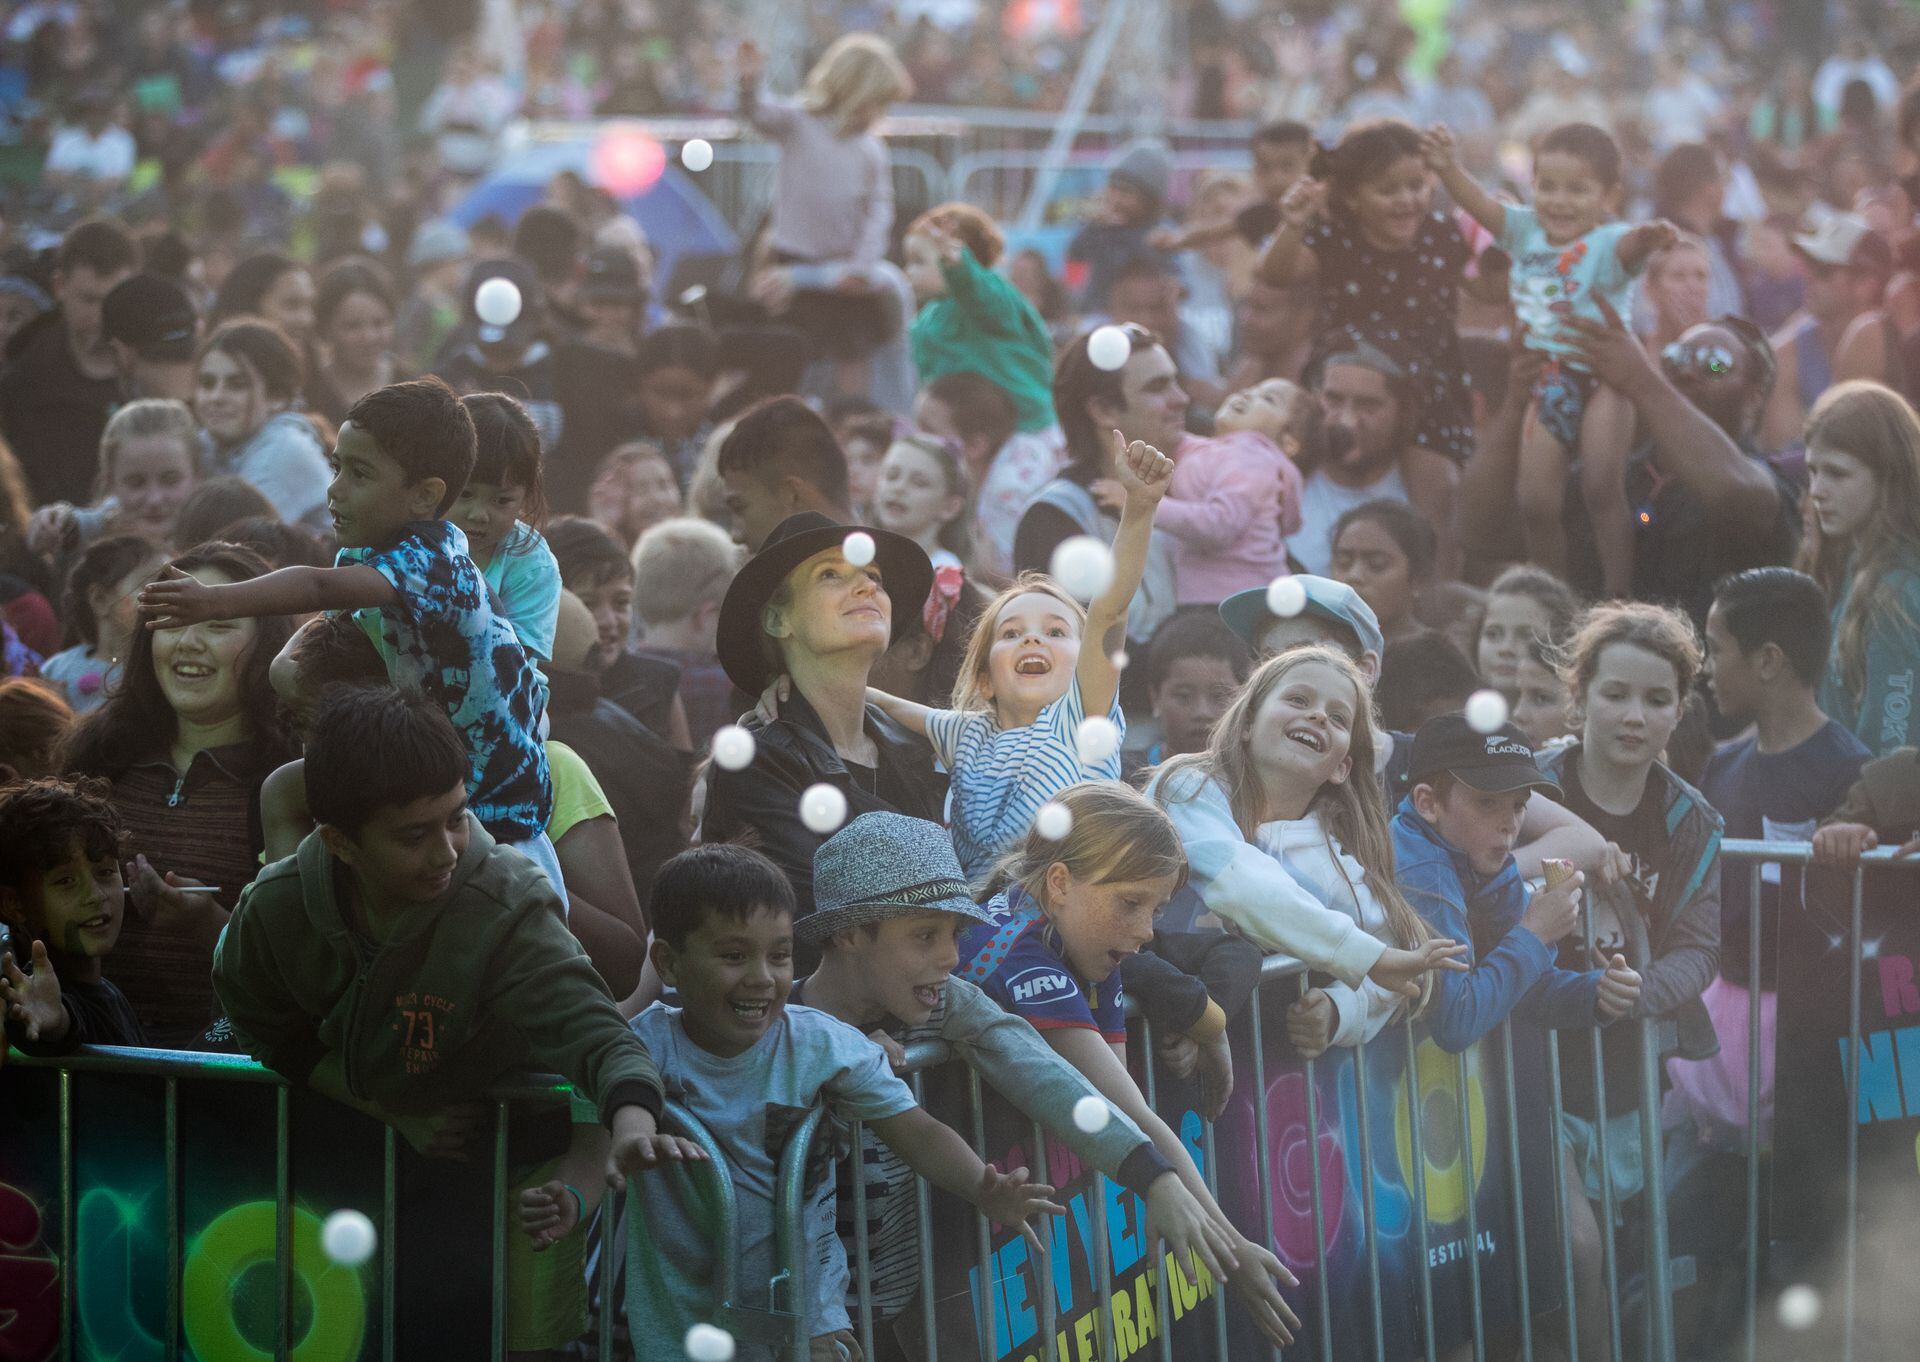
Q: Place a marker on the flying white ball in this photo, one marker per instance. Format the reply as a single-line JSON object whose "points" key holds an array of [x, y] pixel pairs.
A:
{"points": [[709, 1343], [497, 301], [1486, 711], [858, 548], [1097, 738], [348, 1238], [732, 748], [1799, 1307], [1083, 566], [1120, 660], [823, 808], [1286, 597], [1091, 1114], [696, 154], [1109, 348], [1053, 821]]}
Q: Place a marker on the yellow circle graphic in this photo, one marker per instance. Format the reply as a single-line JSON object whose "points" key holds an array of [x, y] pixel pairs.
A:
{"points": [[1436, 1080], [242, 1238]]}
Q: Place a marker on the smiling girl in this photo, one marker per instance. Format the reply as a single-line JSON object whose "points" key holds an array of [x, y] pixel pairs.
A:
{"points": [[246, 384], [1525, 605], [1863, 461], [922, 494], [149, 466], [500, 511]]}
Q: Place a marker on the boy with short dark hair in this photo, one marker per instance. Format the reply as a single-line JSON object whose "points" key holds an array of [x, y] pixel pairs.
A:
{"points": [[403, 454], [1281, 152], [781, 458], [1194, 667], [750, 1067], [594, 567], [61, 901]]}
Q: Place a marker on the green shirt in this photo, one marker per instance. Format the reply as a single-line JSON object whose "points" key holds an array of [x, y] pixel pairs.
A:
{"points": [[986, 326]]}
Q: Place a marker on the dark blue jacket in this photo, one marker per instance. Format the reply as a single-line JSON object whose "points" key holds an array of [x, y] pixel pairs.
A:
{"points": [[1513, 970]]}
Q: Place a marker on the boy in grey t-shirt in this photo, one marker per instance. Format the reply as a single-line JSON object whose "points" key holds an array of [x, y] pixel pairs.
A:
{"points": [[750, 1068]]}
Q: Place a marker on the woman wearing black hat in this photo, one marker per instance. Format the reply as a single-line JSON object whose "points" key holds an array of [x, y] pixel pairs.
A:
{"points": [[801, 610]]}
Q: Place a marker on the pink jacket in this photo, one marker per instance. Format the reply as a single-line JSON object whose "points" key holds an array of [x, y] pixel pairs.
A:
{"points": [[1232, 502]]}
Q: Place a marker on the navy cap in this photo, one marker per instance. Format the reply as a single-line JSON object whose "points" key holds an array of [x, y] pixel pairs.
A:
{"points": [[1493, 763], [152, 315]]}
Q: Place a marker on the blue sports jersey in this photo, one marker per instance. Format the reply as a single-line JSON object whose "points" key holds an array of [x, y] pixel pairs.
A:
{"points": [[1016, 960]]}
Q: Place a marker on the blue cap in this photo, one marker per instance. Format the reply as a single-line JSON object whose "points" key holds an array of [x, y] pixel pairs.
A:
{"points": [[1246, 612]]}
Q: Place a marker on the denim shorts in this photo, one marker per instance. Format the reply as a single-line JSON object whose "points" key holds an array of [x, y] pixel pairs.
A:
{"points": [[1560, 396]]}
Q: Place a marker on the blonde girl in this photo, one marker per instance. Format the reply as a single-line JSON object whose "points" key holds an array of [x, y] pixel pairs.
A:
{"points": [[1863, 464], [1036, 668], [1286, 832], [149, 466], [1068, 910]]}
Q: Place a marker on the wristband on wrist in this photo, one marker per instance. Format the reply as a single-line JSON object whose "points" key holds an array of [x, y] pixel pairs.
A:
{"points": [[578, 1200]]}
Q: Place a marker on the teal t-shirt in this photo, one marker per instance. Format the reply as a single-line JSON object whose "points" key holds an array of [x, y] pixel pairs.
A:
{"points": [[1552, 282]]}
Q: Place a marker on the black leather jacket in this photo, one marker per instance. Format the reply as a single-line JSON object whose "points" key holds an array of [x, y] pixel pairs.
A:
{"points": [[794, 752]]}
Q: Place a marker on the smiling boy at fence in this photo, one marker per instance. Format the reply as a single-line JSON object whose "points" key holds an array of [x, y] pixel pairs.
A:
{"points": [[751, 1068]]}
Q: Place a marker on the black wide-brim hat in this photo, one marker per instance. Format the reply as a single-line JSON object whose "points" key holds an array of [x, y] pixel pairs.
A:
{"points": [[904, 570]]}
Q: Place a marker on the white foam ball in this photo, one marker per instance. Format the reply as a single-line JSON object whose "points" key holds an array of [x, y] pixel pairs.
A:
{"points": [[1091, 1114], [1109, 348], [1053, 821], [1286, 597], [1486, 711], [1120, 660], [1083, 566], [348, 1238], [497, 301], [696, 154], [1097, 738], [823, 808], [733, 748], [858, 548], [1799, 1307], [709, 1343]]}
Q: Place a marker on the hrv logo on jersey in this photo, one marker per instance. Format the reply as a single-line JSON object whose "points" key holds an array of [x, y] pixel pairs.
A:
{"points": [[1040, 983]]}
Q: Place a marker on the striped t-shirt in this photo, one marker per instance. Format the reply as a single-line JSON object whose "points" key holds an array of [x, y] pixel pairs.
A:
{"points": [[1001, 777]]}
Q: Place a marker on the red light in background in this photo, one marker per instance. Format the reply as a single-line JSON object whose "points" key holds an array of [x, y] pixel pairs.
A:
{"points": [[627, 162]]}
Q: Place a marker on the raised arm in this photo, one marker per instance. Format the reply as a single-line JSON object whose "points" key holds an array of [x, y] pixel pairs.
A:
{"points": [[1289, 260], [1443, 159], [907, 713], [1144, 472], [177, 599], [1643, 242]]}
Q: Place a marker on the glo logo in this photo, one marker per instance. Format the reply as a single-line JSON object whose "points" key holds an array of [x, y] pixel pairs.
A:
{"points": [[1039, 984]]}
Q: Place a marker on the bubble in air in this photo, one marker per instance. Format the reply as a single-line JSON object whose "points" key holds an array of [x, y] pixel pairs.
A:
{"points": [[1053, 821], [497, 301], [696, 154], [858, 548], [1091, 1114], [1286, 597], [709, 1343], [1486, 711], [1083, 566], [348, 1238], [1120, 660], [1097, 738], [823, 808], [732, 748], [1799, 1307], [1109, 348]]}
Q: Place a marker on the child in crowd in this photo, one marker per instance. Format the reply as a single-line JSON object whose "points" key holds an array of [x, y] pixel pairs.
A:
{"points": [[1569, 259], [1421, 678], [1194, 668], [1036, 668], [1525, 604], [1287, 835], [1630, 668], [1389, 267], [149, 465], [1004, 464], [1133, 206], [61, 901], [1235, 498], [1281, 151], [101, 616], [674, 379], [1385, 550], [1065, 914], [34, 719], [971, 319], [890, 907], [681, 570], [403, 455], [634, 489], [500, 510], [1542, 709], [922, 494], [749, 1066]]}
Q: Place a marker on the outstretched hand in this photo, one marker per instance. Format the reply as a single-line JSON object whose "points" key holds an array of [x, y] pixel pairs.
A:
{"points": [[1399, 971], [639, 1147], [176, 599], [1438, 148], [33, 1000], [1011, 1198], [1256, 1280]]}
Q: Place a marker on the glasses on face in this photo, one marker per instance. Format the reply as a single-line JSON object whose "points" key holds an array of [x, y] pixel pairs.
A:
{"points": [[1703, 358]]}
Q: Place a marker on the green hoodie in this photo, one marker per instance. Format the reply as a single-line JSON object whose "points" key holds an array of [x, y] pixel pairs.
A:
{"points": [[484, 981], [986, 326]]}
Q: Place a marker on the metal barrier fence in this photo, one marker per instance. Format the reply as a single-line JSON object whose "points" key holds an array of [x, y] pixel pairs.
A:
{"points": [[1436, 1100]]}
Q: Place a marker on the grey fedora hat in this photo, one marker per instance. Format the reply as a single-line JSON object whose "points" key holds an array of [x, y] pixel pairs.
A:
{"points": [[885, 865]]}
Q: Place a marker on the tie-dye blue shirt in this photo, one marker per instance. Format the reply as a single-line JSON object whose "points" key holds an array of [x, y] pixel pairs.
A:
{"points": [[447, 639]]}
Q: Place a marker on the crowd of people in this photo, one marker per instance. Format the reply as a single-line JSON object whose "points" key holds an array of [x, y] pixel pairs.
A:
{"points": [[1412, 558]]}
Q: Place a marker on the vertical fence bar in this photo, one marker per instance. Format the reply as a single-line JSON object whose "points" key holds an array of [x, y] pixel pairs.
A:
{"points": [[1562, 1212], [282, 1221], [1103, 1274], [1372, 1225], [389, 1236], [1658, 1277], [612, 1238], [1754, 983], [862, 1245], [1853, 1114], [1462, 1089], [1519, 1197], [1316, 1195], [923, 1199], [983, 1234], [1263, 1146], [171, 1141], [69, 1251], [1213, 1185], [1608, 1249], [1159, 1272], [497, 1349], [1418, 1143], [1043, 1270]]}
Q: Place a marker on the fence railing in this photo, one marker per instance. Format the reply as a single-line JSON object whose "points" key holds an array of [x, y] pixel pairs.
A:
{"points": [[1443, 1254]]}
